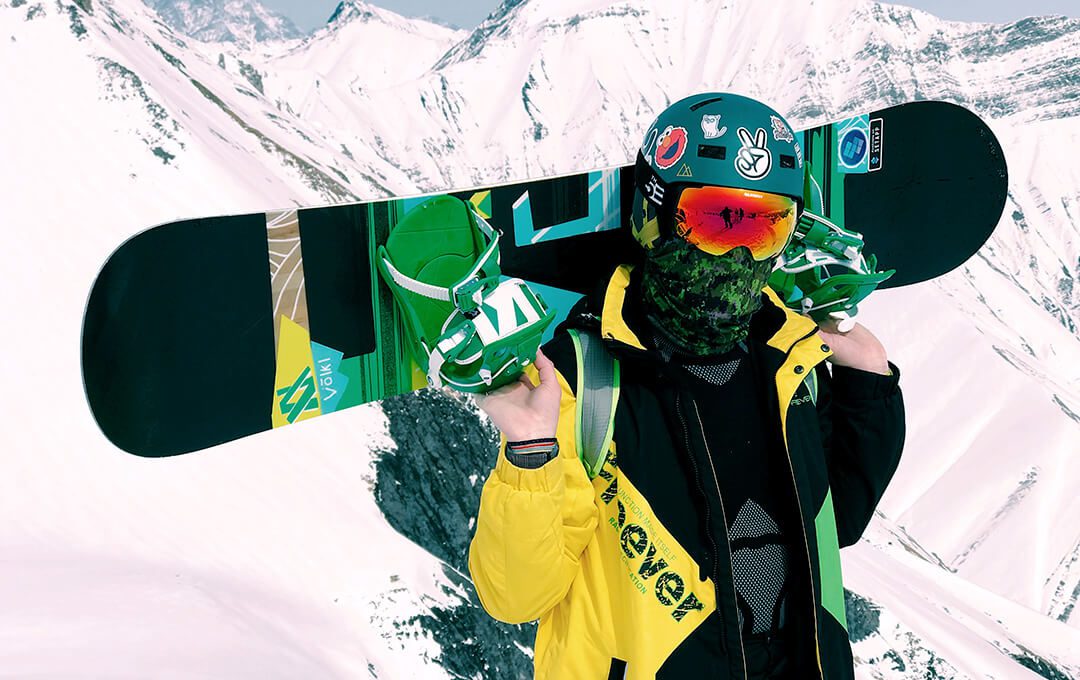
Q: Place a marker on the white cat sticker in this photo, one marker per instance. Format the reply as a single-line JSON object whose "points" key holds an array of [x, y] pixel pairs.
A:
{"points": [[710, 127]]}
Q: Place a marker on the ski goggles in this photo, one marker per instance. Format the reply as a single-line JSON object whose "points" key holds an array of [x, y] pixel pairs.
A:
{"points": [[719, 219]]}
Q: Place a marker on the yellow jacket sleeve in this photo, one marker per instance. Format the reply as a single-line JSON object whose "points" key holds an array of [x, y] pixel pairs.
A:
{"points": [[532, 527]]}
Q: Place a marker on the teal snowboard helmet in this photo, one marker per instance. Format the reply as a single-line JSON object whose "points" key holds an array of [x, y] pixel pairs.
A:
{"points": [[711, 139]]}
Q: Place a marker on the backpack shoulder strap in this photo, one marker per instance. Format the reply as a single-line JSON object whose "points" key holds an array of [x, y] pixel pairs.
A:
{"points": [[597, 394], [812, 386]]}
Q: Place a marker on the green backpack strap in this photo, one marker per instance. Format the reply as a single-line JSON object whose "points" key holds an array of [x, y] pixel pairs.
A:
{"points": [[597, 395], [812, 386]]}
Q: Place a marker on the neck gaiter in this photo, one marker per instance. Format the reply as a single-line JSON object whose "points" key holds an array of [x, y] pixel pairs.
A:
{"points": [[702, 302]]}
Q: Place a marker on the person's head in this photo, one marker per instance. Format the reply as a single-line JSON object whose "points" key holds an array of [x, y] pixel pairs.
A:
{"points": [[718, 189]]}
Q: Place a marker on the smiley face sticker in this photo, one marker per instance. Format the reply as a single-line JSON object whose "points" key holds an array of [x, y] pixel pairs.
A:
{"points": [[754, 160]]}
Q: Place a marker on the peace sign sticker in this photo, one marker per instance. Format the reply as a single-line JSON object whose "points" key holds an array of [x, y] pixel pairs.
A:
{"points": [[754, 160]]}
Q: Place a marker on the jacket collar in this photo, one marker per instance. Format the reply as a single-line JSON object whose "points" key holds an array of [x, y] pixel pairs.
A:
{"points": [[773, 325]]}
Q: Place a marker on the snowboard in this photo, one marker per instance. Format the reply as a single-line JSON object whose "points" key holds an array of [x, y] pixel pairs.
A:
{"points": [[203, 331]]}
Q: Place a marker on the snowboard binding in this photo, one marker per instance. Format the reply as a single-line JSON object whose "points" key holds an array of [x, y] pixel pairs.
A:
{"points": [[466, 329], [824, 273]]}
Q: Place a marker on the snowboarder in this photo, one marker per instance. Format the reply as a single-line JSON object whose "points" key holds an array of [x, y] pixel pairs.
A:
{"points": [[707, 544], [726, 214]]}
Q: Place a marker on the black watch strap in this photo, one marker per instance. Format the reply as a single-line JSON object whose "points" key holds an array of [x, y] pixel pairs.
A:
{"points": [[531, 454]]}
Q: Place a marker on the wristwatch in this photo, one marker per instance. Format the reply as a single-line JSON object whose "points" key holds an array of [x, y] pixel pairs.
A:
{"points": [[531, 454]]}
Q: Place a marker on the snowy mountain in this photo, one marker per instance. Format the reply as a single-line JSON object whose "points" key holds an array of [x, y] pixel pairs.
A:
{"points": [[244, 22], [327, 72], [335, 548]]}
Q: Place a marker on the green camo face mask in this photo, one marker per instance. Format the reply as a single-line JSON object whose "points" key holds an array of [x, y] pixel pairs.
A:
{"points": [[702, 302]]}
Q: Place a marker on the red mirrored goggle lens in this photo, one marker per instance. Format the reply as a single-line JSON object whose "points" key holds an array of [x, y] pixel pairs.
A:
{"points": [[718, 219]]}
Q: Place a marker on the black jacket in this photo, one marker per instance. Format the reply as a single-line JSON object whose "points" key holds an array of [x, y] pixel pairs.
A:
{"points": [[844, 445]]}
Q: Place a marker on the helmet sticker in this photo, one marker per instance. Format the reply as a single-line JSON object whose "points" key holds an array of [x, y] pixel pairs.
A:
{"points": [[710, 127], [780, 131], [685, 171], [754, 160], [670, 146]]}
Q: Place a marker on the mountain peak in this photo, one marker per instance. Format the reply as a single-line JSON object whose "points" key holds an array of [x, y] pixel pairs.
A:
{"points": [[351, 10], [358, 11], [244, 22]]}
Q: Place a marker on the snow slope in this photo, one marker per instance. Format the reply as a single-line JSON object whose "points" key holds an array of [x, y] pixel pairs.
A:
{"points": [[278, 556]]}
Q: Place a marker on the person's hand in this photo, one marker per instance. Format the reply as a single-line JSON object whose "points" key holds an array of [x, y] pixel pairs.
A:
{"points": [[858, 348], [522, 410]]}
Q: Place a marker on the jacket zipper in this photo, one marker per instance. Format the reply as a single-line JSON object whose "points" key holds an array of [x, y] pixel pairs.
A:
{"points": [[798, 503], [802, 524], [712, 541], [720, 497]]}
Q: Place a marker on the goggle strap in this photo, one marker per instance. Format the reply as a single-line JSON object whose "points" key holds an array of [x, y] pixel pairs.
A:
{"points": [[661, 195]]}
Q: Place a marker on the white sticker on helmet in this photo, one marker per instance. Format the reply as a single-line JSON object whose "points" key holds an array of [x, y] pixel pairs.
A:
{"points": [[780, 131], [710, 127], [754, 160]]}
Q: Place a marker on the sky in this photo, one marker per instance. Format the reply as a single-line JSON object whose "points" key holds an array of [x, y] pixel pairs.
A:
{"points": [[308, 14]]}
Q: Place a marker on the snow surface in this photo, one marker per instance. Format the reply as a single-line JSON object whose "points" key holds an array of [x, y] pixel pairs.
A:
{"points": [[268, 557]]}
